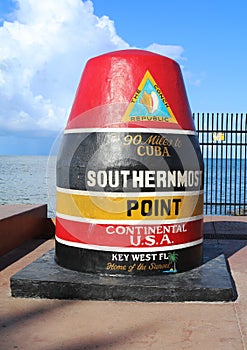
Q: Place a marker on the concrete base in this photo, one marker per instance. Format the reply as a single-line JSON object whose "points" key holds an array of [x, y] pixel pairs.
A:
{"points": [[45, 279]]}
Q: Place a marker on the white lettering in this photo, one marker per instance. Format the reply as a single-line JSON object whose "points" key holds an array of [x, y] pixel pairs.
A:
{"points": [[145, 178], [91, 181]]}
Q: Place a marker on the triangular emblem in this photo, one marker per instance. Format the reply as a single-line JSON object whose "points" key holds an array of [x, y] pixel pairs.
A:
{"points": [[149, 103]]}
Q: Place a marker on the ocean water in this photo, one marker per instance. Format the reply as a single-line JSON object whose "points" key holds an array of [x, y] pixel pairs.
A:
{"points": [[32, 180], [225, 186], [28, 180]]}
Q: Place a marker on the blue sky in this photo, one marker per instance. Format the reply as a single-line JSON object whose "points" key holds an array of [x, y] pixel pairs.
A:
{"points": [[44, 46]]}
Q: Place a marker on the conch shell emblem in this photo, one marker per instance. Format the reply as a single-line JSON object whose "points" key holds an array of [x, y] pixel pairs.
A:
{"points": [[150, 101]]}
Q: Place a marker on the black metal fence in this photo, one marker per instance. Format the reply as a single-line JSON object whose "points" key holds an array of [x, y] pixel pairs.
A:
{"points": [[223, 140]]}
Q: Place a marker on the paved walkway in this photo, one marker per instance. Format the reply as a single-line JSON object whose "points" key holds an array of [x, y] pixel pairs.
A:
{"points": [[72, 325]]}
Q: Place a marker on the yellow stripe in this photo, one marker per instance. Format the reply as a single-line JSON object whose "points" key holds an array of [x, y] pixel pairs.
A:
{"points": [[130, 208]]}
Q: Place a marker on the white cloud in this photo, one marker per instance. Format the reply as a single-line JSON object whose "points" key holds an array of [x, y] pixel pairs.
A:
{"points": [[172, 51], [43, 51], [194, 79]]}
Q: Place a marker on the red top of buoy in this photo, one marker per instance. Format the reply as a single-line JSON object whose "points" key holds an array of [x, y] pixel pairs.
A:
{"points": [[131, 88]]}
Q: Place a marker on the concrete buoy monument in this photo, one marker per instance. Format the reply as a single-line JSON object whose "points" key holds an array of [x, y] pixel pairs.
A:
{"points": [[129, 215], [130, 171]]}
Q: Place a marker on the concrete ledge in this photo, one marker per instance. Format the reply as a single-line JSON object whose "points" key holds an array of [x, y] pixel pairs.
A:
{"points": [[232, 218], [225, 227], [19, 223], [45, 279]]}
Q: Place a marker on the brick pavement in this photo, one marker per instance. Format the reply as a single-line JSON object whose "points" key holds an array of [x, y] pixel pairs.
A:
{"points": [[73, 325]]}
